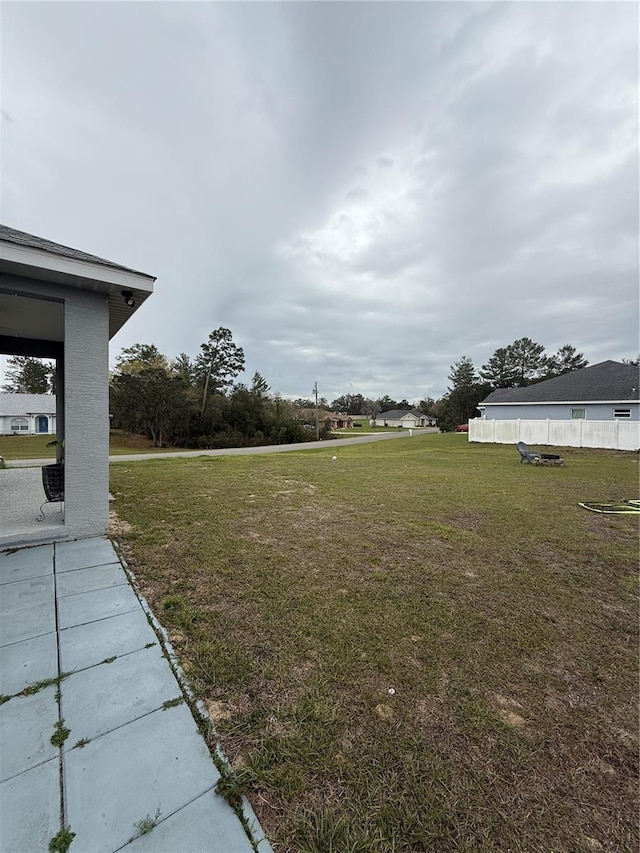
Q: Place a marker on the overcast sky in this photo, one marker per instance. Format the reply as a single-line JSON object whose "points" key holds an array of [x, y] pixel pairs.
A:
{"points": [[363, 193]]}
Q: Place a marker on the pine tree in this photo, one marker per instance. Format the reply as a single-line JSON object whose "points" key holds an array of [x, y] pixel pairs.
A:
{"points": [[219, 362], [500, 371], [566, 360], [28, 375], [529, 361]]}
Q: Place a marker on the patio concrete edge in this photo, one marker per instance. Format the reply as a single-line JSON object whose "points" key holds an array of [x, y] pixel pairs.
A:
{"points": [[247, 816]]}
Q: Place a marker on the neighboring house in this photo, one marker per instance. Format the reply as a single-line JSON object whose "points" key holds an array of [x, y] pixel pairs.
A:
{"points": [[330, 420], [406, 418], [603, 392], [308, 416], [27, 414], [64, 304], [338, 421]]}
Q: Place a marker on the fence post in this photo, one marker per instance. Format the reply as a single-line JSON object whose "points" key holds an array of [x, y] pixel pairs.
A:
{"points": [[580, 432], [617, 435], [548, 430]]}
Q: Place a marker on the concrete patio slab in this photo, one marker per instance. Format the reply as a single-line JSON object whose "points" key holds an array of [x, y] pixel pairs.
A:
{"points": [[27, 662], [83, 554], [26, 593], [26, 726], [21, 496], [123, 691], [142, 754], [31, 622], [26, 563], [87, 645], [192, 828], [98, 604], [125, 776], [87, 580], [30, 809]]}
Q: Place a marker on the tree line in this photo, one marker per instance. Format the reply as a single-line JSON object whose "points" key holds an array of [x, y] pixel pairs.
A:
{"points": [[197, 403], [179, 401], [355, 404], [522, 363]]}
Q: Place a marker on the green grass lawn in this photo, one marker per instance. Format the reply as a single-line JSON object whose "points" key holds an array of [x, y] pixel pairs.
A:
{"points": [[424, 645], [35, 446], [26, 447]]}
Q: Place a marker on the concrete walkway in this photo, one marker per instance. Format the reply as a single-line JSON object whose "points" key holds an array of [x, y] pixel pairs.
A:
{"points": [[21, 497], [243, 451], [130, 750]]}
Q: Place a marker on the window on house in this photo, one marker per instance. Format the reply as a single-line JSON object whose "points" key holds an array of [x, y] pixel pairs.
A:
{"points": [[578, 414], [19, 425], [622, 413]]}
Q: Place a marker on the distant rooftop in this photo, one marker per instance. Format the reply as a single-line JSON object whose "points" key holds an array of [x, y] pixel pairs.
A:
{"points": [[27, 404], [397, 414]]}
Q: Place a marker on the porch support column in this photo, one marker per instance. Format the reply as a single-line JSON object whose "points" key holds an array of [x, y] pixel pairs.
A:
{"points": [[86, 410]]}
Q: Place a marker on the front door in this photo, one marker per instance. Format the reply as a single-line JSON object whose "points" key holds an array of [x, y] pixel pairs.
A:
{"points": [[42, 422]]}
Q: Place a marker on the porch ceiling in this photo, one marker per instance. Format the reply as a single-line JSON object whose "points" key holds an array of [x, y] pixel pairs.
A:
{"points": [[25, 317]]}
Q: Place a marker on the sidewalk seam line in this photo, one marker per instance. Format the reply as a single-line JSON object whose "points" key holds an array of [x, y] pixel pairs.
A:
{"points": [[166, 817], [97, 589], [122, 725], [63, 809], [102, 618]]}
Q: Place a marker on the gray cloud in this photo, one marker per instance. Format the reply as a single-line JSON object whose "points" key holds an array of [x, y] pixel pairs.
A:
{"points": [[362, 192]]}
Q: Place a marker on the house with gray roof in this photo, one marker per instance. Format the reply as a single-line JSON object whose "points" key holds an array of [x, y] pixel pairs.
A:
{"points": [[27, 414], [406, 418], [603, 392]]}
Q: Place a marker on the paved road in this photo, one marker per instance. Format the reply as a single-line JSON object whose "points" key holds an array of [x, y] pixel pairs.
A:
{"points": [[242, 451]]}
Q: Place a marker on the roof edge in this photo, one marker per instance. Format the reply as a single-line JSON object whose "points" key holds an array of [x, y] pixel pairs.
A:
{"points": [[555, 402], [14, 237], [36, 260]]}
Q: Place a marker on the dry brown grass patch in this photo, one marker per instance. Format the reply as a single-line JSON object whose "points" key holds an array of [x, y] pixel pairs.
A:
{"points": [[506, 622]]}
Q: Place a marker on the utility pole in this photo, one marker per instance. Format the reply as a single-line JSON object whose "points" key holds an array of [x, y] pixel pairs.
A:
{"points": [[315, 391]]}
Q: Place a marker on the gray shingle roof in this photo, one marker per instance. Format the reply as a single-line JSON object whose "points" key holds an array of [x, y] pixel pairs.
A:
{"points": [[396, 414], [608, 381], [30, 241], [27, 404]]}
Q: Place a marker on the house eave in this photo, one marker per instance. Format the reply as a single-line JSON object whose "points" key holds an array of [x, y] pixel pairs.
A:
{"points": [[559, 403], [40, 265], [74, 269]]}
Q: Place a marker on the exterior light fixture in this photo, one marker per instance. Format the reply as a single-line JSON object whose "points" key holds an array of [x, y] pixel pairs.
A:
{"points": [[127, 295]]}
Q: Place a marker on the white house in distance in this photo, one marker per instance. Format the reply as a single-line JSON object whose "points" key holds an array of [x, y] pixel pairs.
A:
{"points": [[64, 304], [27, 414], [597, 406], [406, 418]]}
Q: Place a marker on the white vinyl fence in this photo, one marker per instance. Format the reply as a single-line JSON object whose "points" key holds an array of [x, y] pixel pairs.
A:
{"points": [[617, 435]]}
